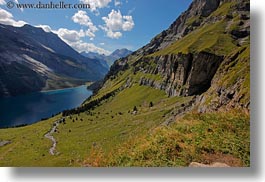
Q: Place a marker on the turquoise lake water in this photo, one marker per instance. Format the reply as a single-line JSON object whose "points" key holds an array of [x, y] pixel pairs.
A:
{"points": [[30, 108]]}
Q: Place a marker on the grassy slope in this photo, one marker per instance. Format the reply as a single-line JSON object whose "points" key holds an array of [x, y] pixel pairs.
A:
{"points": [[28, 147], [206, 138], [209, 38], [109, 125]]}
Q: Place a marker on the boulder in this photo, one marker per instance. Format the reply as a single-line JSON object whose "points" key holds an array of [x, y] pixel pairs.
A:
{"points": [[3, 143]]}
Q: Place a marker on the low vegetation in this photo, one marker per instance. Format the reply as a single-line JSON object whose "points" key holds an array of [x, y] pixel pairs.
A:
{"points": [[205, 138]]}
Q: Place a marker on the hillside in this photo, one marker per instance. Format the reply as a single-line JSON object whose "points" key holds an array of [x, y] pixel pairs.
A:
{"points": [[182, 98], [33, 60]]}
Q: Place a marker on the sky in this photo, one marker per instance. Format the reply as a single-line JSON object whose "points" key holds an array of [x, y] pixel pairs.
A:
{"points": [[105, 26]]}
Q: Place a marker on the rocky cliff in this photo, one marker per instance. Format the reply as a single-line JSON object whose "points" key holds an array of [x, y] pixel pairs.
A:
{"points": [[183, 75]]}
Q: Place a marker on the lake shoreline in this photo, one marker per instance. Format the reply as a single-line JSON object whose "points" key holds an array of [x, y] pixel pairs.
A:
{"points": [[86, 84], [31, 108], [49, 90], [67, 88]]}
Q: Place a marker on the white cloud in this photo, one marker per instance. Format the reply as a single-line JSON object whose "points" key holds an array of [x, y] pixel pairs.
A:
{"points": [[117, 3], [2, 2], [5, 14], [46, 28], [66, 34], [128, 23], [115, 23], [95, 4], [7, 19], [70, 35], [114, 35], [131, 11], [81, 46], [73, 39], [114, 20], [16, 1], [82, 18], [102, 43]]}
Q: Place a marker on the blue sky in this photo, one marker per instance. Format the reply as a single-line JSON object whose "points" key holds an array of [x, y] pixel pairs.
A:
{"points": [[105, 27]]}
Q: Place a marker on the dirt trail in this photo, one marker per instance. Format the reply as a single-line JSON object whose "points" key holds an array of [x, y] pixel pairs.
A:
{"points": [[50, 137]]}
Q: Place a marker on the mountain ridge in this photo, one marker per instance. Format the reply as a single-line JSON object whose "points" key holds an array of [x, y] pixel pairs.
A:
{"points": [[110, 59]]}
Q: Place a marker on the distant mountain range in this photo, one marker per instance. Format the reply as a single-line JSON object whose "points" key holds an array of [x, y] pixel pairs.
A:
{"points": [[32, 60], [107, 61]]}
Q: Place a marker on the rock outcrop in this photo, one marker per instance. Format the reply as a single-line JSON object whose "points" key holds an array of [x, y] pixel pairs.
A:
{"points": [[230, 87], [183, 75], [5, 142]]}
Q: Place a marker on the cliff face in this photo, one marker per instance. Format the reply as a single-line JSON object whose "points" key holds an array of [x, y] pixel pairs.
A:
{"points": [[230, 87], [183, 75]]}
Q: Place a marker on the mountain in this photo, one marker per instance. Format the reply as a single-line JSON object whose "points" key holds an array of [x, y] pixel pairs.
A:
{"points": [[117, 54], [32, 59], [208, 41], [182, 98], [101, 57]]}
